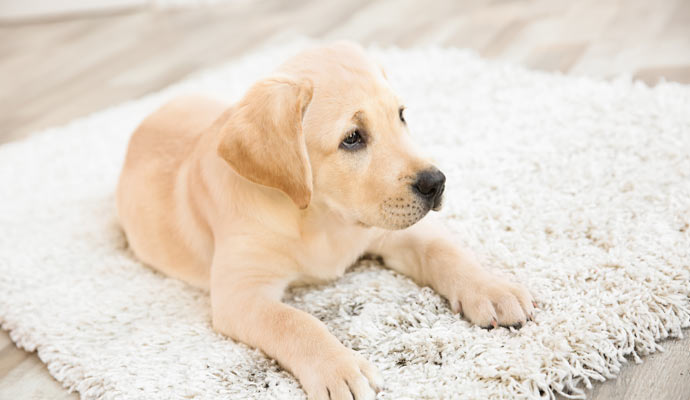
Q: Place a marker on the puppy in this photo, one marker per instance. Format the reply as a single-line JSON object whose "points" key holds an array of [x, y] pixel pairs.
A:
{"points": [[312, 168]]}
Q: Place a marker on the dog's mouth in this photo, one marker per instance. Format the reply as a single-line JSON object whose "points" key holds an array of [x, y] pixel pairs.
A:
{"points": [[362, 224], [437, 203]]}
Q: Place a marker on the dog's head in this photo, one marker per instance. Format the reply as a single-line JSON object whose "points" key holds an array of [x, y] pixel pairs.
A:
{"points": [[329, 129]]}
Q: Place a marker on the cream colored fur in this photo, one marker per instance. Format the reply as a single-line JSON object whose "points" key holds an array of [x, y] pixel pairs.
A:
{"points": [[247, 199]]}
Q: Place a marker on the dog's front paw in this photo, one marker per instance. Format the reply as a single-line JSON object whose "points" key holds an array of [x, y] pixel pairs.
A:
{"points": [[345, 376], [495, 301]]}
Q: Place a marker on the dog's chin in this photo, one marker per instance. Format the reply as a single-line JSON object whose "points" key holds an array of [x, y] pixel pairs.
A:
{"points": [[398, 213], [395, 224]]}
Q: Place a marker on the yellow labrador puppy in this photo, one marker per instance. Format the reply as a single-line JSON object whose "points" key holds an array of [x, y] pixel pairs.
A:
{"points": [[311, 169]]}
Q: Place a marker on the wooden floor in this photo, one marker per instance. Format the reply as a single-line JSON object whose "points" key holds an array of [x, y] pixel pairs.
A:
{"points": [[52, 71]]}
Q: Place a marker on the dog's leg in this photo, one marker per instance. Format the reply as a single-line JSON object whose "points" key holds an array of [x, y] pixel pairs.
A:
{"points": [[427, 253], [246, 306]]}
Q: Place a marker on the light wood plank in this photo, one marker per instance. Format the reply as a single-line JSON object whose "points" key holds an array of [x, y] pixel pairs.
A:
{"points": [[29, 379], [4, 340], [653, 75], [556, 57], [10, 358], [662, 376]]}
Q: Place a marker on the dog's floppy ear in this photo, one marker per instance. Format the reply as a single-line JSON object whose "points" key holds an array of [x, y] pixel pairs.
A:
{"points": [[262, 139]]}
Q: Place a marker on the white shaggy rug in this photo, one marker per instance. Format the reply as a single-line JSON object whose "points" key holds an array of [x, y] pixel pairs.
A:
{"points": [[579, 188]]}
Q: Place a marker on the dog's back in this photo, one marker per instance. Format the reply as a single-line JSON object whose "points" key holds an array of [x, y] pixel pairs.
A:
{"points": [[148, 183]]}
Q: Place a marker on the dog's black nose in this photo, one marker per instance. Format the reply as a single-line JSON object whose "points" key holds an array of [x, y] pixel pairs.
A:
{"points": [[429, 185]]}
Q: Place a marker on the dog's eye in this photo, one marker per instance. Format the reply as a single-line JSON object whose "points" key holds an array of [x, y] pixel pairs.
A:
{"points": [[353, 141], [400, 113]]}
